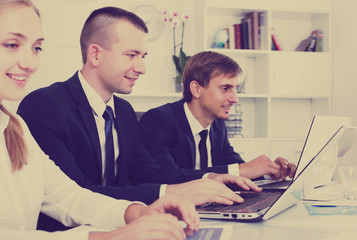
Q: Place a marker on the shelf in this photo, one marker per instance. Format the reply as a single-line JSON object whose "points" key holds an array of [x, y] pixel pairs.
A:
{"points": [[241, 52], [300, 97], [302, 23], [300, 53], [243, 96], [283, 89]]}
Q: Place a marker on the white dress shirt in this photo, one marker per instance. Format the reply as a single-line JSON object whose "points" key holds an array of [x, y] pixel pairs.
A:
{"points": [[42, 186], [98, 107], [196, 128]]}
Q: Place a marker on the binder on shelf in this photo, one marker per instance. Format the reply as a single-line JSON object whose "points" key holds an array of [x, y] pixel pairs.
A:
{"points": [[237, 36], [245, 34]]}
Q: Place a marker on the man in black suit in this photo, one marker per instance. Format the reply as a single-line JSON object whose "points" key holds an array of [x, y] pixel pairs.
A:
{"points": [[171, 133], [67, 121]]}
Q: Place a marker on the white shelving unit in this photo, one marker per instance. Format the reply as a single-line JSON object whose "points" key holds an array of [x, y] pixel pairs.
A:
{"points": [[284, 89]]}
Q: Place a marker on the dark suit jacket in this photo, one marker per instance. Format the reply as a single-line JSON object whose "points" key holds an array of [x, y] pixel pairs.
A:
{"points": [[167, 135], [62, 122]]}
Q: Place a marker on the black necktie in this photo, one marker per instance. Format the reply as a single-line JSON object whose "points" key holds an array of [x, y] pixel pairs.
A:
{"points": [[109, 147], [203, 149]]}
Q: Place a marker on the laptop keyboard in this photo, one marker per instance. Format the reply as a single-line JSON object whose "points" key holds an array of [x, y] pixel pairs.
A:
{"points": [[276, 185], [250, 198]]}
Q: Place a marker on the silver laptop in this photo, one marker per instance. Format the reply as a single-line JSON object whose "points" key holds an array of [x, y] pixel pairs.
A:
{"points": [[320, 131], [268, 203]]}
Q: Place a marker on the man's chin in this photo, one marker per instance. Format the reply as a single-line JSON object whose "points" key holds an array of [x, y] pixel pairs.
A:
{"points": [[127, 91], [223, 117]]}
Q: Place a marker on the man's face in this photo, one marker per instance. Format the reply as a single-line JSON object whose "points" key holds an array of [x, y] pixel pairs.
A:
{"points": [[218, 97], [122, 65]]}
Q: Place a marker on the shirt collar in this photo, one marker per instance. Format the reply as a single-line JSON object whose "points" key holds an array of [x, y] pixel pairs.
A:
{"points": [[196, 127], [95, 101]]}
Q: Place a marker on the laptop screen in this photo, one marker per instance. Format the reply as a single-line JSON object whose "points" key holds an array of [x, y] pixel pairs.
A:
{"points": [[321, 130], [324, 167]]}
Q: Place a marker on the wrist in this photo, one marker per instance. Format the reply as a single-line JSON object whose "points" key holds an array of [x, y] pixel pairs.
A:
{"points": [[172, 188]]}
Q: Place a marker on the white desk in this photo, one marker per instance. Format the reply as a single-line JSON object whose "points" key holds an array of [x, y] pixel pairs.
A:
{"points": [[293, 224]]}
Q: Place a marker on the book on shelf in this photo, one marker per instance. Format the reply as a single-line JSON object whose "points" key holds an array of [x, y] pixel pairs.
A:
{"points": [[244, 30], [303, 45], [254, 31], [312, 43], [232, 41], [246, 34], [319, 42], [261, 31], [237, 36], [274, 42]]}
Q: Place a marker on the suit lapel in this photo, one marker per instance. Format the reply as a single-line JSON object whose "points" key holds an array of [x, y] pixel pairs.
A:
{"points": [[122, 174], [187, 131], [86, 114], [214, 145]]}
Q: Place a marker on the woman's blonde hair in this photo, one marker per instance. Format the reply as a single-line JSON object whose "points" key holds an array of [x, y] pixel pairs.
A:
{"points": [[15, 142], [18, 3], [14, 135]]}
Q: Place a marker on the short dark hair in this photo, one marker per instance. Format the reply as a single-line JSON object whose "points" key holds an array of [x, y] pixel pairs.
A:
{"points": [[204, 66], [99, 25]]}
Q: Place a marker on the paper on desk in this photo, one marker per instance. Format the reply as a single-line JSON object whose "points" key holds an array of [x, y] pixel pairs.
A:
{"points": [[328, 192], [329, 200], [209, 232], [318, 209], [338, 202], [329, 195]]}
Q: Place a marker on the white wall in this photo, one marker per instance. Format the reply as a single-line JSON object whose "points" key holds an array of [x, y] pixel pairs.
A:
{"points": [[62, 23], [63, 20], [344, 98], [344, 32]]}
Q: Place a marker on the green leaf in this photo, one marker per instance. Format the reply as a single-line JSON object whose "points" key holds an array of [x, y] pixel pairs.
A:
{"points": [[180, 64], [177, 63], [182, 58], [179, 78]]}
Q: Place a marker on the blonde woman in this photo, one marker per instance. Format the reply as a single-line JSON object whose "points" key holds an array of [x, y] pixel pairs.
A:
{"points": [[30, 182]]}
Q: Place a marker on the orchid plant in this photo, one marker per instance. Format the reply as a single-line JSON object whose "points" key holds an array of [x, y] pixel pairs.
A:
{"points": [[177, 19]]}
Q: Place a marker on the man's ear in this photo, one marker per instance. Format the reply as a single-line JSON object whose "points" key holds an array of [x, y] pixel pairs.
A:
{"points": [[94, 54], [195, 89]]}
